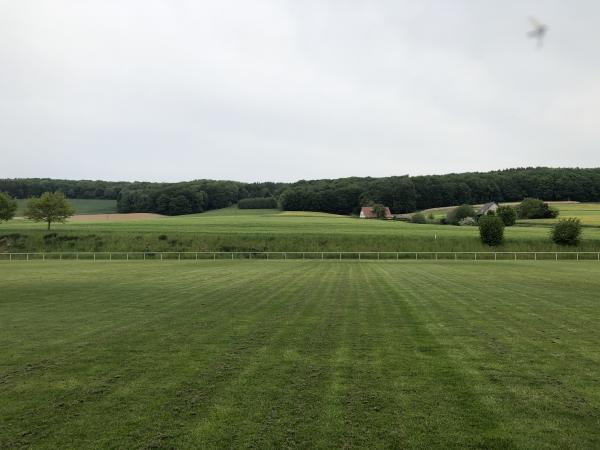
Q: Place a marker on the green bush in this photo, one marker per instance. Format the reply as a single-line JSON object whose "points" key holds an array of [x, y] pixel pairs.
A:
{"points": [[507, 214], [534, 208], [566, 232], [418, 218], [459, 213], [491, 230]]}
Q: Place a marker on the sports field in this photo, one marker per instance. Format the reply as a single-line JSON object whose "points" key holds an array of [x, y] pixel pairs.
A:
{"points": [[281, 354]]}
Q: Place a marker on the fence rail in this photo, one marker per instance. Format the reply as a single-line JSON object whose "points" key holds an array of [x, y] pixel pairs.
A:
{"points": [[359, 256]]}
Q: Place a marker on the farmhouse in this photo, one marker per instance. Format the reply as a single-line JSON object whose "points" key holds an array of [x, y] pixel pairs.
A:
{"points": [[491, 206], [366, 212]]}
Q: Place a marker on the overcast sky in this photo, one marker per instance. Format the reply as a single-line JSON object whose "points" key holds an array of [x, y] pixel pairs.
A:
{"points": [[287, 90]]}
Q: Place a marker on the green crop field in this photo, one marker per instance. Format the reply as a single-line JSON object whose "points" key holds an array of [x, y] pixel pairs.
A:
{"points": [[232, 229], [81, 206], [251, 354], [588, 213]]}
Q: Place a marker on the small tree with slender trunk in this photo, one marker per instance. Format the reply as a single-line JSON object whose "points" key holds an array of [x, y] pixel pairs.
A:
{"points": [[8, 207], [50, 207]]}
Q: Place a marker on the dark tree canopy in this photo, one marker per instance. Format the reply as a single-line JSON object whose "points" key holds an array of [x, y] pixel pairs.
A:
{"points": [[258, 203], [402, 194], [8, 207]]}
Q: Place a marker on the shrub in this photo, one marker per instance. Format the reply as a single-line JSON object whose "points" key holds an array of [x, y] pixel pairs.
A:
{"points": [[566, 232], [459, 213], [491, 230], [418, 218], [507, 214], [534, 208], [431, 216], [550, 212], [467, 221], [258, 203]]}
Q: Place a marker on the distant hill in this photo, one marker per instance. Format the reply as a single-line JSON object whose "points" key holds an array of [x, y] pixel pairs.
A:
{"points": [[402, 194]]}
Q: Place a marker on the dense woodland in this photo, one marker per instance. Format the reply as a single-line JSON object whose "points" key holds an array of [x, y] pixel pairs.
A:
{"points": [[344, 196]]}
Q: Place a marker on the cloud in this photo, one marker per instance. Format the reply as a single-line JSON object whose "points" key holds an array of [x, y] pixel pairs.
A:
{"points": [[266, 90]]}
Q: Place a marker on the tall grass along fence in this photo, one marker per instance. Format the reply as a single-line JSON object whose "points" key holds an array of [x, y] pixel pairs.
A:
{"points": [[309, 256]]}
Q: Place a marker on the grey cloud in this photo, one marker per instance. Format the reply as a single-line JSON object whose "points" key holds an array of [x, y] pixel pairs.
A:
{"points": [[276, 90]]}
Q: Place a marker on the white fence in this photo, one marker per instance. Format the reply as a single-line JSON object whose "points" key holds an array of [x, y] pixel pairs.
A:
{"points": [[319, 256]]}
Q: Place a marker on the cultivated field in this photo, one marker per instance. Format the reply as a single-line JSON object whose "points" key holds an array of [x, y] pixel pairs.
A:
{"points": [[232, 229], [81, 206], [299, 355], [588, 213]]}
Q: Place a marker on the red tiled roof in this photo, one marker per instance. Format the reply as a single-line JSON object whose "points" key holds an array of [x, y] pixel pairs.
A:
{"points": [[368, 213]]}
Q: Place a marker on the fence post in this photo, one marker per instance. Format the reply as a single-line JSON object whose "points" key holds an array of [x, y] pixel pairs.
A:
{"points": [[27, 256], [495, 256], [43, 257], [556, 256], [110, 256], [515, 256], [577, 256], [535, 256], [94, 256], [340, 256], [475, 256], [359, 256], [416, 256], [127, 256], [214, 256], [161, 256], [436, 256], [179, 256], [455, 256], [397, 256], [60, 257], [377, 256]]}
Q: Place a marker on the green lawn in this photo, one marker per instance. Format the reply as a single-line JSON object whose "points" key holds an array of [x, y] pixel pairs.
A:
{"points": [[263, 355], [81, 206]]}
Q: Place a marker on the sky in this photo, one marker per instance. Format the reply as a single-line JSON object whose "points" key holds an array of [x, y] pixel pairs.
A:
{"points": [[285, 90]]}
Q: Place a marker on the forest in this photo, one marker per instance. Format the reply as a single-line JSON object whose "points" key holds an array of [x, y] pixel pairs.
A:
{"points": [[402, 194]]}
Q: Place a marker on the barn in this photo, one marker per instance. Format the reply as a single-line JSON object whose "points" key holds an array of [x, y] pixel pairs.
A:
{"points": [[366, 212]]}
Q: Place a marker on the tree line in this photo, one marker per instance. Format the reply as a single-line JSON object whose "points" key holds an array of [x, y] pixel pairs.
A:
{"points": [[402, 194], [406, 194]]}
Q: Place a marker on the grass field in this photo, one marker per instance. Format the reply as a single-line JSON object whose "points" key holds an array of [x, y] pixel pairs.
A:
{"points": [[588, 213], [81, 206], [299, 355], [270, 230]]}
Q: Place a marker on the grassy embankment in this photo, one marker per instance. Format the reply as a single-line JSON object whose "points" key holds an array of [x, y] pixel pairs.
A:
{"points": [[232, 229], [299, 355]]}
